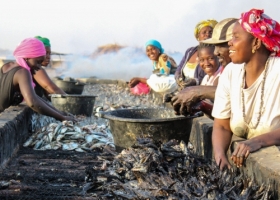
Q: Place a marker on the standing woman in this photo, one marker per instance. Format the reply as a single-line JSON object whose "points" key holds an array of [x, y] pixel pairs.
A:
{"points": [[189, 72], [16, 81], [247, 100], [44, 85]]}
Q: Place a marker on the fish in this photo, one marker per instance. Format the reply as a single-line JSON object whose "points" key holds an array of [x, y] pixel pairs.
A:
{"points": [[171, 171]]}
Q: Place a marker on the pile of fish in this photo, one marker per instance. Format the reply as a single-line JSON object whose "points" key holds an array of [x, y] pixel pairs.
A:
{"points": [[110, 97], [38, 120], [114, 96], [151, 170], [67, 136]]}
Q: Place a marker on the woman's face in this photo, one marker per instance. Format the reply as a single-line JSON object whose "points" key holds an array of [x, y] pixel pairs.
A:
{"points": [[48, 57], [208, 61], [205, 33], [152, 52], [240, 46], [35, 63], [222, 52]]}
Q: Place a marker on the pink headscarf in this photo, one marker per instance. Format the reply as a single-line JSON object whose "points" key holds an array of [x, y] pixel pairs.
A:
{"points": [[263, 27], [29, 48]]}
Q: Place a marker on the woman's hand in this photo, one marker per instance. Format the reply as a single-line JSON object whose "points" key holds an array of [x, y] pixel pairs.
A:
{"points": [[133, 82], [185, 99], [242, 151], [222, 161]]}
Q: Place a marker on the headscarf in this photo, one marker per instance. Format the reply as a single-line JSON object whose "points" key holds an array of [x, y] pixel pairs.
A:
{"points": [[210, 22], [46, 41], [262, 27], [29, 48], [156, 44]]}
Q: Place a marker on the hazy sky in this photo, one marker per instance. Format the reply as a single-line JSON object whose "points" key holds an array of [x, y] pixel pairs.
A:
{"points": [[80, 26]]}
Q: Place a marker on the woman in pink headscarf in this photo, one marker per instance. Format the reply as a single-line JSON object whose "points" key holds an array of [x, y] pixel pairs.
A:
{"points": [[247, 100], [16, 79]]}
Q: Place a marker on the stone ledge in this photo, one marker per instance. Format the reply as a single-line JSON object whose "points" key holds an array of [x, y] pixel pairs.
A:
{"points": [[14, 126], [263, 165], [200, 137]]}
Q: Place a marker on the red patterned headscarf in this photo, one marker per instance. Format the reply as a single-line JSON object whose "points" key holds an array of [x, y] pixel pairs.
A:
{"points": [[263, 27]]}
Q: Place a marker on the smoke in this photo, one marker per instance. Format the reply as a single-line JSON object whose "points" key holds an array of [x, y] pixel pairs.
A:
{"points": [[125, 64], [83, 26]]}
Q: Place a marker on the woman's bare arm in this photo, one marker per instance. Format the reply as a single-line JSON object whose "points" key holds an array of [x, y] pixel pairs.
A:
{"points": [[221, 138], [46, 83], [23, 78]]}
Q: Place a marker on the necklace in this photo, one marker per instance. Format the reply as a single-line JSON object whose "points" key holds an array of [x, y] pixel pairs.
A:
{"points": [[262, 92]]}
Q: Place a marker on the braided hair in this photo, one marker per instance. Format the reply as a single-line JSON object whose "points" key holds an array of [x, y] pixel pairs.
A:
{"points": [[204, 46]]}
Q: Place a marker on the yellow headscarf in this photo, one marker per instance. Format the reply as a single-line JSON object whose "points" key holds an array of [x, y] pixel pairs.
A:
{"points": [[210, 22]]}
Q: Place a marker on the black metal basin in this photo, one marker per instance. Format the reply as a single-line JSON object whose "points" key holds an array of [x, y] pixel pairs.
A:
{"points": [[159, 123], [70, 87], [75, 104]]}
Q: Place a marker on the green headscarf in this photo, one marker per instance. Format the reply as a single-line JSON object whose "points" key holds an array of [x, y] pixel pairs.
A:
{"points": [[46, 41]]}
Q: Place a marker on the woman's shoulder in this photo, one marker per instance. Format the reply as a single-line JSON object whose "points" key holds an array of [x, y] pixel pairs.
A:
{"points": [[232, 67], [275, 61], [11, 66], [193, 48]]}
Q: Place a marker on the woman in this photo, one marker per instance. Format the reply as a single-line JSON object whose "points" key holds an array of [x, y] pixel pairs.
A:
{"points": [[162, 63], [247, 98], [209, 63], [44, 85], [16, 81], [188, 72]]}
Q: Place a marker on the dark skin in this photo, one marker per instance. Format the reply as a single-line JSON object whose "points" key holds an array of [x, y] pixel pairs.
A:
{"points": [[204, 33], [153, 53], [189, 96], [44, 80], [22, 82], [241, 47]]}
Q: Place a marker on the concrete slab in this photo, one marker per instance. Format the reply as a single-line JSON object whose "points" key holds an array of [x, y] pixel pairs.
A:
{"points": [[200, 137], [263, 166], [14, 126]]}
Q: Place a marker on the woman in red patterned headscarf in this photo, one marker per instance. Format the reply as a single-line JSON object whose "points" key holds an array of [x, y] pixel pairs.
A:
{"points": [[247, 100]]}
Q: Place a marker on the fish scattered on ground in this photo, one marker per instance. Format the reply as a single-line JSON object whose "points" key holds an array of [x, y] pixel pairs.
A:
{"points": [[151, 170]]}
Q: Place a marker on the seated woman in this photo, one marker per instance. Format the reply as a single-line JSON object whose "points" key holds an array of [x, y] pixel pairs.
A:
{"points": [[162, 63], [247, 100], [209, 63], [188, 72], [44, 85], [16, 81]]}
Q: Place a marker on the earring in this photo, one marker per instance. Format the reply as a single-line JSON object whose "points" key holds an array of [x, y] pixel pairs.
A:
{"points": [[253, 51]]}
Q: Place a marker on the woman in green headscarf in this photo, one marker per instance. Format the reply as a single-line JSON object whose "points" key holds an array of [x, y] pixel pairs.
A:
{"points": [[47, 44], [44, 85]]}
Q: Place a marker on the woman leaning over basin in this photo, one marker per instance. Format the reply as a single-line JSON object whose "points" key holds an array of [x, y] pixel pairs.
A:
{"points": [[247, 100], [189, 72], [16, 80], [44, 85]]}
